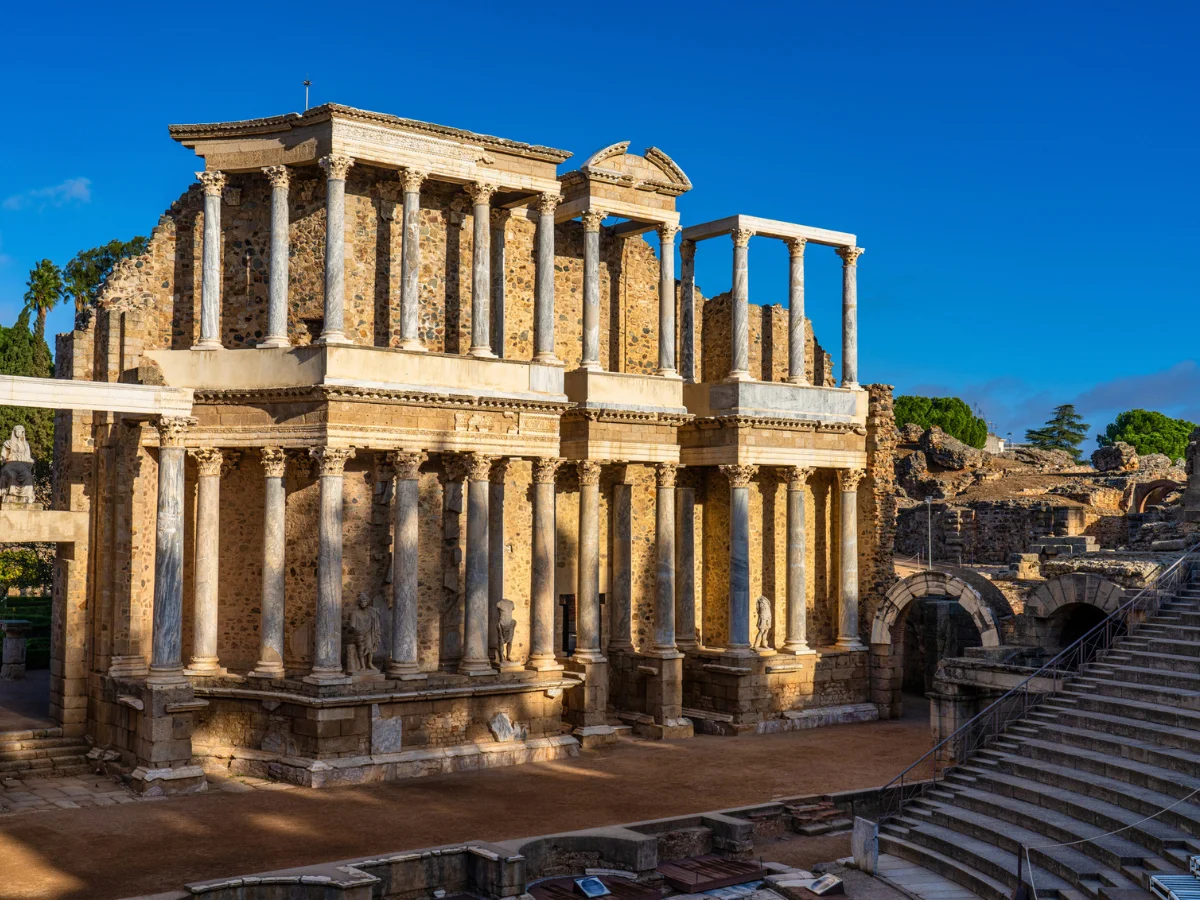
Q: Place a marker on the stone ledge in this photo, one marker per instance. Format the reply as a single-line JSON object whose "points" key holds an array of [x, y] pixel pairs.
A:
{"points": [[802, 719]]}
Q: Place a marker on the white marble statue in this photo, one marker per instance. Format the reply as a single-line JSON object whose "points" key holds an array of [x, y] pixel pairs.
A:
{"points": [[764, 623], [364, 636], [506, 627], [16, 468]]}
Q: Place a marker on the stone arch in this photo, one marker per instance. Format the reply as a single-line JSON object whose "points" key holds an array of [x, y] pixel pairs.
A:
{"points": [[1078, 587], [1148, 492], [982, 600]]}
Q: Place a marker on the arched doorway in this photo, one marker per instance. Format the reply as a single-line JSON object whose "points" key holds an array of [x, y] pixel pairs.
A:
{"points": [[1152, 493], [1068, 607]]}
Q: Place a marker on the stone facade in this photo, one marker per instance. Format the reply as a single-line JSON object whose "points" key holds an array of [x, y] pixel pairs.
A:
{"points": [[445, 437]]}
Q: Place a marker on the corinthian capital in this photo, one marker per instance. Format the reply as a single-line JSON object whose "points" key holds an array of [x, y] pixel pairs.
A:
{"points": [[279, 176], [664, 474], [589, 471], [171, 429], [544, 469], [331, 460], [848, 479], [208, 460], [849, 255], [481, 192], [741, 236], [499, 470], [687, 250], [212, 182], [412, 179], [274, 461], [336, 167], [796, 246], [547, 202], [592, 219], [479, 467], [407, 465], [500, 218], [797, 476], [667, 233], [739, 476]]}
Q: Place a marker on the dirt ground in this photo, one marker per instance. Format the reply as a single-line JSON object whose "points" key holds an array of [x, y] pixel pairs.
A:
{"points": [[142, 848]]}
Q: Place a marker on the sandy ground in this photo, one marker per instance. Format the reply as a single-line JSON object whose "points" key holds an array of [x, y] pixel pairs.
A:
{"points": [[141, 848]]}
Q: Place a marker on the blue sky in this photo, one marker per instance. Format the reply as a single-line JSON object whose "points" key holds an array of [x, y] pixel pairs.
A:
{"points": [[1022, 175]]}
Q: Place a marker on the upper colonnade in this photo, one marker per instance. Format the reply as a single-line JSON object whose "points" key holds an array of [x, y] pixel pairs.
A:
{"points": [[498, 177]]}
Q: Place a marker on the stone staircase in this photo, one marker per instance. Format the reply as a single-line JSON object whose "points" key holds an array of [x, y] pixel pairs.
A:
{"points": [[41, 753], [1119, 743]]}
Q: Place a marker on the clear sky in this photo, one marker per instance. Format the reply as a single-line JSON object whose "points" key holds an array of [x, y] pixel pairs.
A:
{"points": [[1023, 175]]}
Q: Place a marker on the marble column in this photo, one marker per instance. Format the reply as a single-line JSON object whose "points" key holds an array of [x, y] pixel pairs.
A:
{"points": [[274, 571], [587, 624], [685, 563], [620, 590], [739, 555], [277, 282], [208, 544], [739, 325], [664, 547], [496, 581], [475, 642], [543, 301], [410, 261], [333, 330], [500, 219], [327, 656], [591, 289], [797, 562], [666, 301], [481, 278], [212, 184], [166, 661], [403, 661], [541, 598], [796, 374], [848, 480], [849, 257], [687, 310]]}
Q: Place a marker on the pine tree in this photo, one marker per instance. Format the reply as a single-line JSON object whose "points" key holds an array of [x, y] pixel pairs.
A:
{"points": [[1065, 430]]}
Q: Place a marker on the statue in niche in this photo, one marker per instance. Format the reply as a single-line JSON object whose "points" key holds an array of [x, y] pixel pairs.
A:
{"points": [[364, 636], [765, 618], [506, 627], [16, 469]]}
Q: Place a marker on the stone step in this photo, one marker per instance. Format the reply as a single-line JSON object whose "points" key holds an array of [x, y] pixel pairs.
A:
{"points": [[8, 737], [1156, 694], [1130, 748], [1131, 674], [1168, 630], [1092, 720], [953, 869], [71, 748], [1164, 781], [1147, 659], [39, 744], [1172, 646]]}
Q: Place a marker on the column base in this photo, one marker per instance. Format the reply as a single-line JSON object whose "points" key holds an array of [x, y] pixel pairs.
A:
{"points": [[797, 648], [547, 359], [590, 367], [739, 375], [332, 337], [326, 676], [274, 342], [413, 345], [849, 644], [267, 671], [548, 663], [207, 345], [512, 666], [664, 653], [850, 385], [588, 656], [481, 353], [166, 677], [128, 667], [740, 651], [475, 667], [686, 646], [205, 667], [798, 380], [401, 669], [669, 373]]}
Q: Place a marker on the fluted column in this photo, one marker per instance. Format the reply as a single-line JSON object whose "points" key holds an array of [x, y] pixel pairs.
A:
{"points": [[403, 660], [587, 627], [274, 572], [739, 323], [500, 219], [481, 260], [796, 374], [739, 554], [208, 542], [620, 589], [849, 257], [410, 261], [848, 480], [277, 282], [591, 288], [685, 563], [541, 600], [797, 563], [543, 301], [475, 643], [666, 300], [213, 184], [687, 310], [333, 330], [166, 661], [327, 658], [664, 546], [496, 580]]}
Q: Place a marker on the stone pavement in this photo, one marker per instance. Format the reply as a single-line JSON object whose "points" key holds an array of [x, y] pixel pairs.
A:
{"points": [[918, 882]]}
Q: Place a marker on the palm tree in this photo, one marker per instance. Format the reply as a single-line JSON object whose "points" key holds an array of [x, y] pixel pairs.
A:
{"points": [[45, 291]]}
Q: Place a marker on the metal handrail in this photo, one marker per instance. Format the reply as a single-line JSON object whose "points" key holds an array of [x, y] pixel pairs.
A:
{"points": [[987, 725]]}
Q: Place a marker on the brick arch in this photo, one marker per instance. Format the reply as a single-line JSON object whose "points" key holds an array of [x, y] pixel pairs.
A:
{"points": [[1078, 587]]}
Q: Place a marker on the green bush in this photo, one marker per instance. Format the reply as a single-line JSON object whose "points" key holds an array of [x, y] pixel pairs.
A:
{"points": [[1148, 431], [950, 414]]}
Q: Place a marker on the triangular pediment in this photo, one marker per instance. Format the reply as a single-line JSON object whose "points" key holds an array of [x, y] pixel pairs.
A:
{"points": [[654, 171]]}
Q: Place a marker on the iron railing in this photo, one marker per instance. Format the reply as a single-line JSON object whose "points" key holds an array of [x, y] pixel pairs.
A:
{"points": [[987, 726]]}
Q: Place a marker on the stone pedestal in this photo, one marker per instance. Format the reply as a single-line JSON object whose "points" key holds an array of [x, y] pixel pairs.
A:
{"points": [[664, 698], [587, 705], [12, 656]]}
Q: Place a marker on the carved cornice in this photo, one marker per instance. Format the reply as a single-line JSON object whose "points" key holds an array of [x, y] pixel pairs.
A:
{"points": [[278, 176], [592, 219], [208, 461], [331, 460], [499, 470], [849, 255], [667, 233], [324, 393], [547, 202], [589, 471], [796, 246], [406, 465], [741, 236], [595, 414], [739, 476], [336, 167], [780, 424], [411, 180], [797, 476], [848, 479], [171, 429], [481, 192], [664, 474], [544, 470], [687, 250], [274, 461], [212, 183]]}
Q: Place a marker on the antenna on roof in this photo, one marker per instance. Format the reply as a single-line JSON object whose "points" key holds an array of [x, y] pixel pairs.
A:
{"points": [[307, 85]]}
